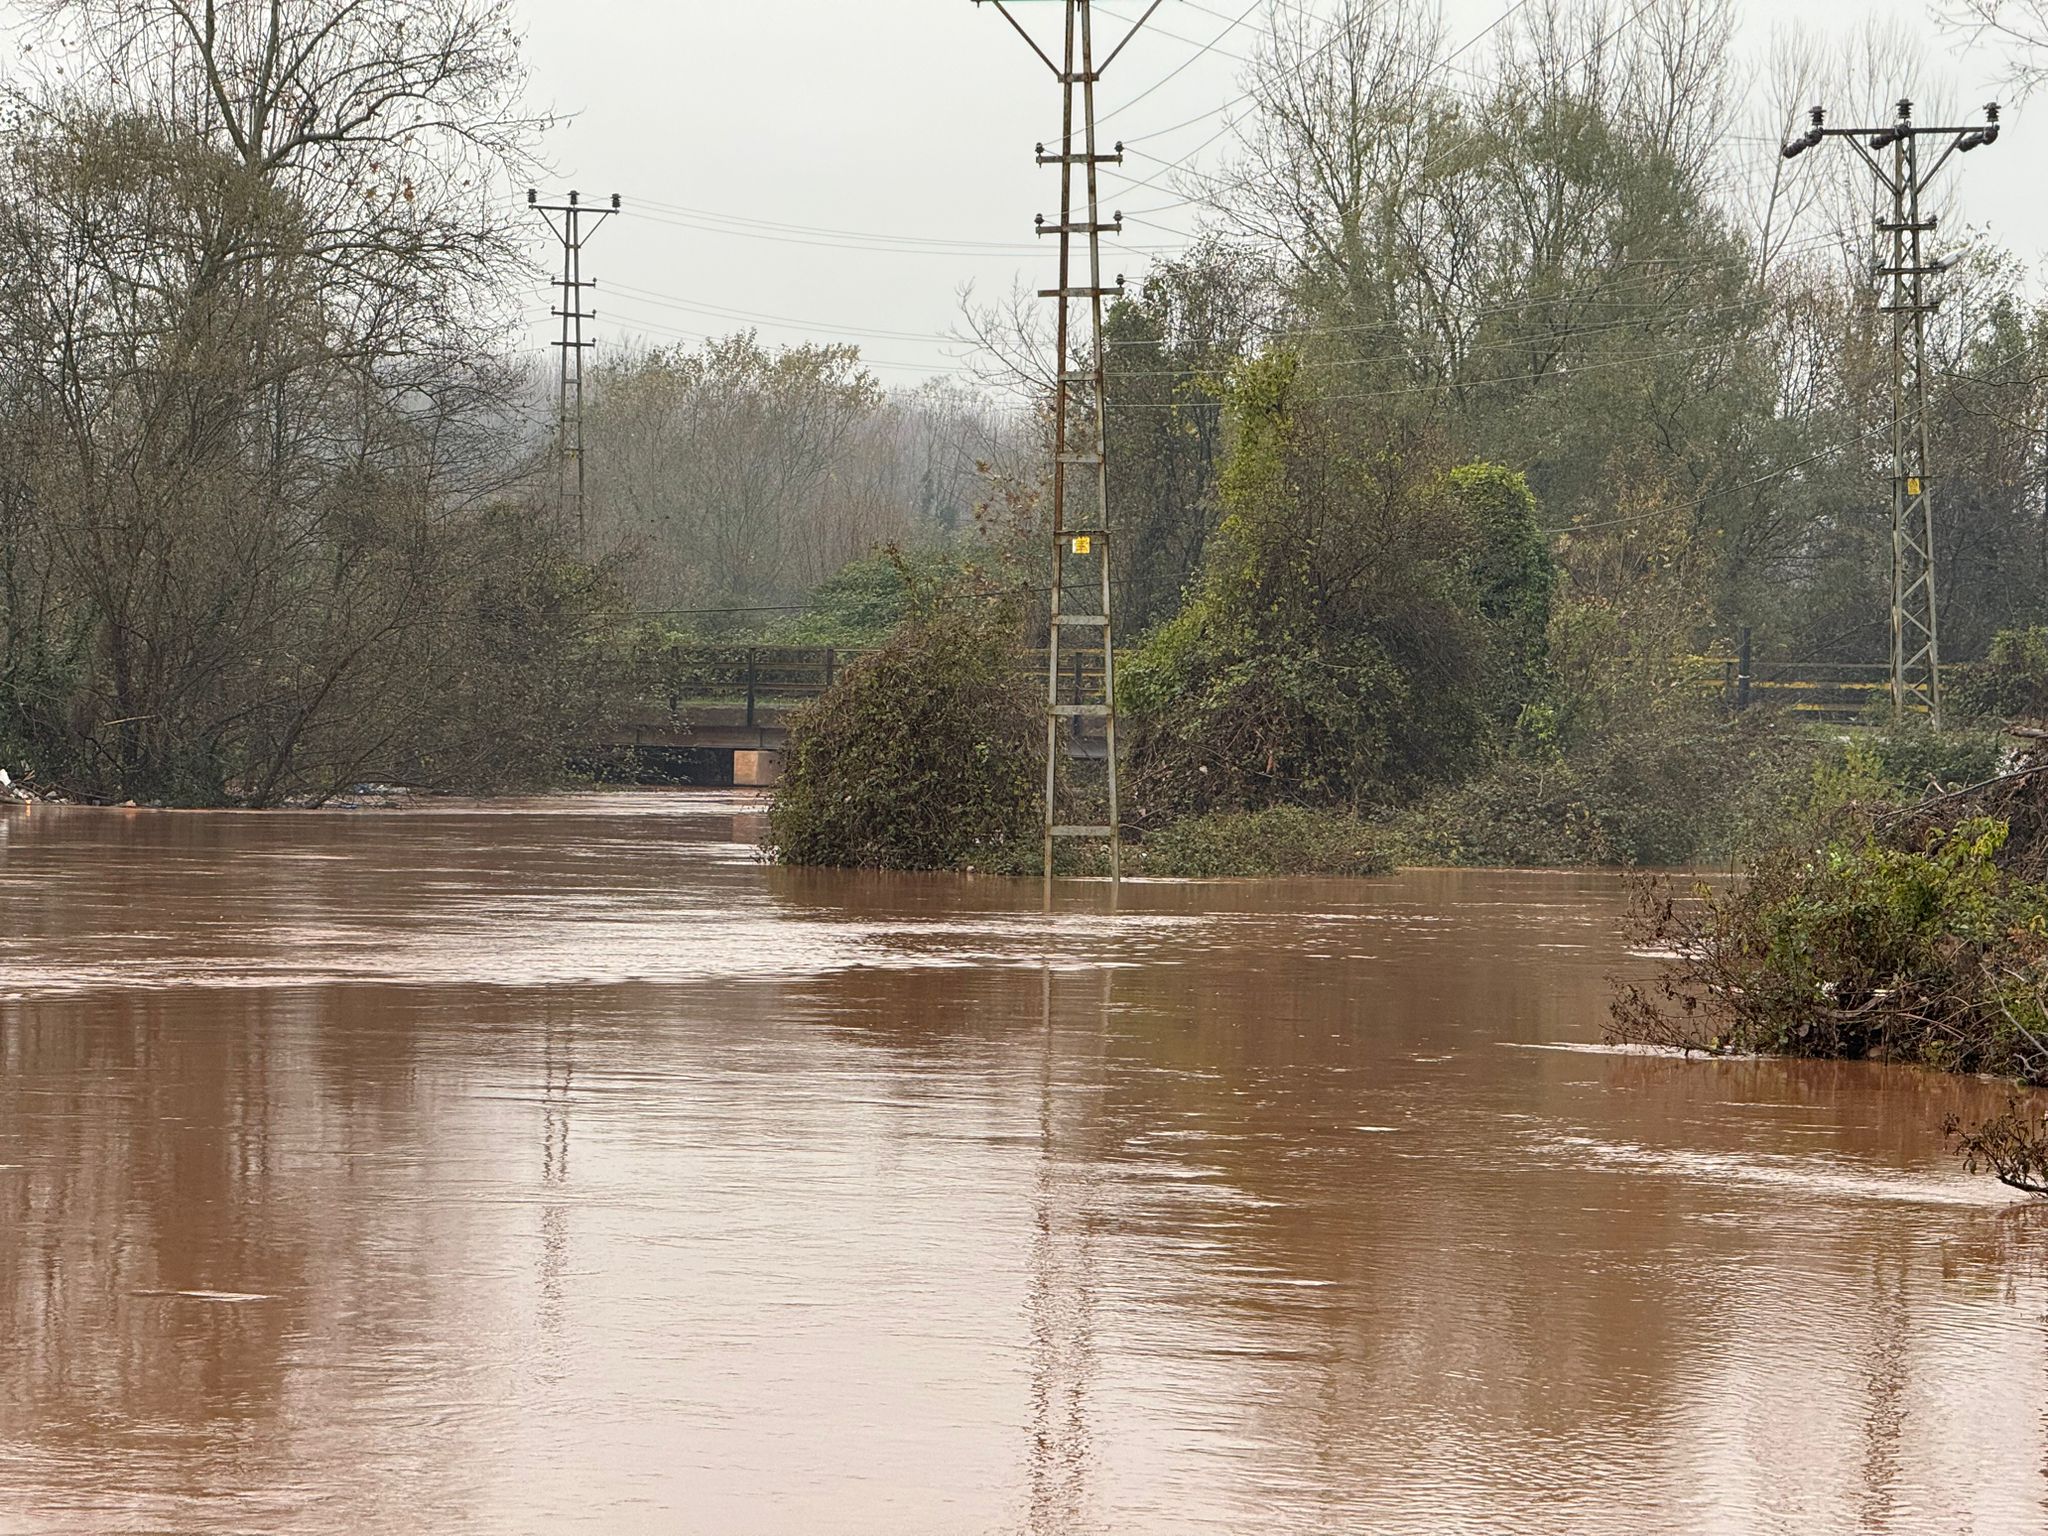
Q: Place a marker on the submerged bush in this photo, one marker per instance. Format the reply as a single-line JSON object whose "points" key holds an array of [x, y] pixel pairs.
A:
{"points": [[2012, 1146], [928, 754], [1914, 933], [1925, 951], [1283, 840]]}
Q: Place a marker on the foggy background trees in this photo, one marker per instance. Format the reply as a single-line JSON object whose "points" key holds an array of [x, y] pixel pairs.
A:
{"points": [[734, 477]]}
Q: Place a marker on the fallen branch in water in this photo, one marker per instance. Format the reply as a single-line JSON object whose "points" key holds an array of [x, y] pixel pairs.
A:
{"points": [[2012, 1147]]}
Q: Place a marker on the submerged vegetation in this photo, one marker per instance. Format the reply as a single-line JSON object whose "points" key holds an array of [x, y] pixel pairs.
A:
{"points": [[929, 753], [1907, 928], [1280, 840]]}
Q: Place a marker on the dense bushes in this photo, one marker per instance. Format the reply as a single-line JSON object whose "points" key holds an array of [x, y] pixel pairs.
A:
{"points": [[1283, 840], [1361, 621], [926, 755], [1374, 633], [2010, 684], [1671, 789], [462, 651], [1904, 763], [1656, 796], [929, 754], [1914, 933]]}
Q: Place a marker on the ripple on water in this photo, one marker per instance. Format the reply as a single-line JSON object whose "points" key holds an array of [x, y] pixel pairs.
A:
{"points": [[562, 1168]]}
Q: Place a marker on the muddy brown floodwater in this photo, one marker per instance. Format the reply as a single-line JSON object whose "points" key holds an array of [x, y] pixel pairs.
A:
{"points": [[556, 1167]]}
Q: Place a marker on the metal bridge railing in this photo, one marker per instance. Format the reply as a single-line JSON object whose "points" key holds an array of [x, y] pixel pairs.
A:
{"points": [[767, 681], [1838, 692]]}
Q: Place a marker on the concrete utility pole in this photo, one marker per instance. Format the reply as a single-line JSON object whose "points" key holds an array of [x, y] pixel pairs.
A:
{"points": [[1902, 275], [567, 221], [1079, 444]]}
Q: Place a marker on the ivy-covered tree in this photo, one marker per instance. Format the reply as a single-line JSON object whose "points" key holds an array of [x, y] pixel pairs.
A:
{"points": [[1168, 350], [926, 755], [1362, 622]]}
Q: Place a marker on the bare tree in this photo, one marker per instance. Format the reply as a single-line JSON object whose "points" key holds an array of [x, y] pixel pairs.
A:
{"points": [[2018, 27], [1338, 161], [267, 451]]}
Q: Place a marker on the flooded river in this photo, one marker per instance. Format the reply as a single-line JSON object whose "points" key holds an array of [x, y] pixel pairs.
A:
{"points": [[556, 1167]]}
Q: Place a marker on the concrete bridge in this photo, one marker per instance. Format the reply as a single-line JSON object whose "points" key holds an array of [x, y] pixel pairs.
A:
{"points": [[721, 714]]}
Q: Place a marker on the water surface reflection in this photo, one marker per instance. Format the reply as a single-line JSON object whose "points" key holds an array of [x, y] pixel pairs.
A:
{"points": [[559, 1167]]}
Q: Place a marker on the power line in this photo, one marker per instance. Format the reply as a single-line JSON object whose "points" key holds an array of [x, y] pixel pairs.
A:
{"points": [[1242, 96], [1776, 474], [784, 231], [893, 245], [719, 311], [1201, 51], [1903, 275], [1336, 36], [1459, 385], [681, 333], [770, 229], [813, 606], [1594, 47], [1605, 295], [566, 221], [1080, 407]]}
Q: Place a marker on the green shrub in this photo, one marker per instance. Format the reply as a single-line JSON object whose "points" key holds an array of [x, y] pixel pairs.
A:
{"points": [[927, 754], [1919, 947], [1364, 624], [1531, 814], [1656, 793], [867, 598], [1282, 840], [2010, 684], [1914, 760], [1513, 577]]}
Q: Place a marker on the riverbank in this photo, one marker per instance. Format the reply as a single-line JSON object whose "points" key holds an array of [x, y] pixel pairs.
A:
{"points": [[1887, 930]]}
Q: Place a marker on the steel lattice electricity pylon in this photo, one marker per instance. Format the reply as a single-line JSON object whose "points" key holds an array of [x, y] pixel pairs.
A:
{"points": [[1902, 275], [1080, 448], [567, 222]]}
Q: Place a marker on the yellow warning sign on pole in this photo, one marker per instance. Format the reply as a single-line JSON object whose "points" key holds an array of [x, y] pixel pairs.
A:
{"points": [[1913, 485], [1083, 544]]}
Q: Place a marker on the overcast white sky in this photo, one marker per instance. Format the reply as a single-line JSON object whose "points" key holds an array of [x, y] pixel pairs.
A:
{"points": [[747, 135], [914, 121]]}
